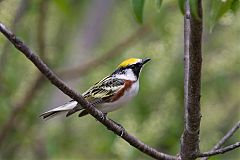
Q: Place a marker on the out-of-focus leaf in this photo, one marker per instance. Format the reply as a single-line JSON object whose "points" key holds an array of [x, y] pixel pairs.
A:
{"points": [[181, 5], [235, 5], [194, 9], [159, 4], [224, 7], [63, 5], [219, 8], [138, 6]]}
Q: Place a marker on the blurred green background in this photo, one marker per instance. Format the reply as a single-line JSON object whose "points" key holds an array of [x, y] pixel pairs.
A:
{"points": [[72, 33]]}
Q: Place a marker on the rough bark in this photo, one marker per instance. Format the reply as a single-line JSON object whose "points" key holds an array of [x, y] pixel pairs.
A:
{"points": [[192, 82]]}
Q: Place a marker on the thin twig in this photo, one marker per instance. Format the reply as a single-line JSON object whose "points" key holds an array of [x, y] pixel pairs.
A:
{"points": [[118, 49], [220, 151], [192, 82], [225, 138], [77, 97]]}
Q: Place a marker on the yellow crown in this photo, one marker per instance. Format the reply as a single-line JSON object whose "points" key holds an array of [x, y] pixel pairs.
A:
{"points": [[128, 62]]}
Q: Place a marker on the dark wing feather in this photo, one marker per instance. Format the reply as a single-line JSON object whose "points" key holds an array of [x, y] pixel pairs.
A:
{"points": [[103, 90]]}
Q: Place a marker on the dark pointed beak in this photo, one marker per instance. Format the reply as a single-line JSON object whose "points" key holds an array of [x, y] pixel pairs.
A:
{"points": [[145, 60]]}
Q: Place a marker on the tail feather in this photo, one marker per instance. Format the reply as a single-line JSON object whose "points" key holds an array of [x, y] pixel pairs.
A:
{"points": [[61, 109]]}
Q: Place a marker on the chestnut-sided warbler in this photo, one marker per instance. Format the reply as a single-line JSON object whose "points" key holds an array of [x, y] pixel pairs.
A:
{"points": [[108, 94]]}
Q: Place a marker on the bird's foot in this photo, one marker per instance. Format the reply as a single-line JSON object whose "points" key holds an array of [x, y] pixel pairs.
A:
{"points": [[104, 116], [119, 125]]}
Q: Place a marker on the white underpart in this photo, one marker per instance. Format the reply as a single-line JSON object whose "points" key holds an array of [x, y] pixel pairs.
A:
{"points": [[128, 94]]}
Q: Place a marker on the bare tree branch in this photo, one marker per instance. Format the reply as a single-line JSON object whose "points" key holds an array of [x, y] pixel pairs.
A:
{"points": [[85, 104], [19, 107], [192, 82], [118, 49], [220, 151], [225, 138]]}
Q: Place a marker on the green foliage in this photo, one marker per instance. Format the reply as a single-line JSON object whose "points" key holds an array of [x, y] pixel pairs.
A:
{"points": [[158, 4], [138, 6], [181, 5], [218, 9], [235, 5], [194, 9], [155, 116], [63, 5]]}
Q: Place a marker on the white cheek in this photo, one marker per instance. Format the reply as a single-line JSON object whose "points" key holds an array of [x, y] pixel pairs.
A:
{"points": [[129, 75]]}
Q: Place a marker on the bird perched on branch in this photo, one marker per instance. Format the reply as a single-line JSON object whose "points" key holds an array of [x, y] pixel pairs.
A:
{"points": [[108, 94]]}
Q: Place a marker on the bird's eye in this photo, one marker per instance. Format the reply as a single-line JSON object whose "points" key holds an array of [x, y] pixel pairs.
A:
{"points": [[137, 65]]}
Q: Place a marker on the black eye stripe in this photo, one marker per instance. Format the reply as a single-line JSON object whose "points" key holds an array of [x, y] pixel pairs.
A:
{"points": [[135, 67]]}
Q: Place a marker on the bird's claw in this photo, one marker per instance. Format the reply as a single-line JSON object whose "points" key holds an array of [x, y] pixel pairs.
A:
{"points": [[119, 125], [103, 116], [122, 131]]}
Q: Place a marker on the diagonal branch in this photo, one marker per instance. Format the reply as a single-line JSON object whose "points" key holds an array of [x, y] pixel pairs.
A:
{"points": [[220, 151], [20, 106], [192, 82], [225, 138], [77, 97]]}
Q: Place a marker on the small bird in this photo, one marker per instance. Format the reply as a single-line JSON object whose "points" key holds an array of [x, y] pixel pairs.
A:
{"points": [[108, 94]]}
